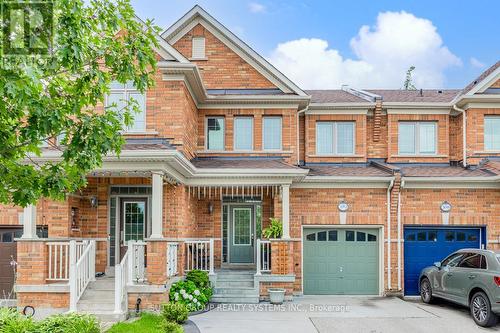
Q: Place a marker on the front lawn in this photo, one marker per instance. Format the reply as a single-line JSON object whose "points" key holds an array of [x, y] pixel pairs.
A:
{"points": [[149, 322]]}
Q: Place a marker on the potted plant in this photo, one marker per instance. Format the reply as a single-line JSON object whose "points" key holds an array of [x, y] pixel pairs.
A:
{"points": [[276, 295], [275, 230]]}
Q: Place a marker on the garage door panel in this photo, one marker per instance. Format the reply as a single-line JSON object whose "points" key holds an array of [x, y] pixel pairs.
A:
{"points": [[424, 246], [351, 261]]}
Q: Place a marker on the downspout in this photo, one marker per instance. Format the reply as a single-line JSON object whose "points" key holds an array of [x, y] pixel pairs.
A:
{"points": [[298, 134], [399, 233], [464, 134], [389, 234]]}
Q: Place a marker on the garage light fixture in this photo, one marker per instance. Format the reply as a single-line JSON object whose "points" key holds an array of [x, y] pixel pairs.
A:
{"points": [[445, 207], [343, 206]]}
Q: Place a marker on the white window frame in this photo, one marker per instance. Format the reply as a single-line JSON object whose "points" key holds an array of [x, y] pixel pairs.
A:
{"points": [[234, 133], [417, 138], [126, 93], [249, 226], [493, 149], [280, 148], [199, 56], [223, 133], [335, 140]]}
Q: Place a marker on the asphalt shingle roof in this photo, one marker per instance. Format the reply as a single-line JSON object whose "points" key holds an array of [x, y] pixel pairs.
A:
{"points": [[333, 96]]}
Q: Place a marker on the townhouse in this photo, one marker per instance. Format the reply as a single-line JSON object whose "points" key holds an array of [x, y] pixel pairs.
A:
{"points": [[370, 185]]}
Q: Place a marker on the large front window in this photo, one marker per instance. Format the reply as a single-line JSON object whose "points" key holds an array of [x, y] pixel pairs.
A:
{"points": [[215, 133], [335, 138], [417, 138], [243, 133], [492, 133], [120, 96]]}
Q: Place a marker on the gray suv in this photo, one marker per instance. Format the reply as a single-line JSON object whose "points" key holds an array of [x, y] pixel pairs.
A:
{"points": [[470, 277]]}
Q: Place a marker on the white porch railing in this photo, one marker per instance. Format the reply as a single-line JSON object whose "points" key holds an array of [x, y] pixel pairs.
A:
{"points": [[172, 259], [122, 277], [263, 256], [59, 259], [137, 250], [82, 270], [200, 255]]}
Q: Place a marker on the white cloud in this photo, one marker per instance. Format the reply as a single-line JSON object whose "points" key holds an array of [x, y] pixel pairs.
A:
{"points": [[383, 53], [476, 63], [256, 7]]}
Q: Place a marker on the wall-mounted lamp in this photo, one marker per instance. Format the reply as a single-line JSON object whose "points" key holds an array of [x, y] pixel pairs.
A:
{"points": [[210, 207], [94, 202]]}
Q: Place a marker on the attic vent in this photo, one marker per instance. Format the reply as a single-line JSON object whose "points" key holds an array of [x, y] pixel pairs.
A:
{"points": [[198, 48]]}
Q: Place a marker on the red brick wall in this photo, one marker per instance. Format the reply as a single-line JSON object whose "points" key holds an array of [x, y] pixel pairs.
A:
{"points": [[376, 149], [475, 134], [456, 138], [223, 68]]}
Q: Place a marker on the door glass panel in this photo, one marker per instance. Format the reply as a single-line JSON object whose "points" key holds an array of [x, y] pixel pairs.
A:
{"points": [[461, 236], [332, 235], [372, 238], [452, 260], [410, 237], [471, 260], [360, 236], [349, 236], [135, 213], [422, 236], [242, 226], [483, 262], [432, 236], [450, 236], [472, 238], [322, 236], [311, 237]]}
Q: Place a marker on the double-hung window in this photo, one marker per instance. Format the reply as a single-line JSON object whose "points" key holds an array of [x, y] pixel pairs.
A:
{"points": [[492, 133], [335, 138], [215, 133], [417, 138], [271, 133], [120, 96], [243, 133]]}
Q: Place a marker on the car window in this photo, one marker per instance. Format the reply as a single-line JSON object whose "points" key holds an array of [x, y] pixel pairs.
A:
{"points": [[452, 260], [471, 260]]}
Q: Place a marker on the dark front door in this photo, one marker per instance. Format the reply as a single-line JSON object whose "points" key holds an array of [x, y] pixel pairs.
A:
{"points": [[133, 225], [241, 235], [8, 253]]}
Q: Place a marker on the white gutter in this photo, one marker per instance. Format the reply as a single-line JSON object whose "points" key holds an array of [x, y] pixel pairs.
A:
{"points": [[464, 133], [389, 234], [399, 233]]}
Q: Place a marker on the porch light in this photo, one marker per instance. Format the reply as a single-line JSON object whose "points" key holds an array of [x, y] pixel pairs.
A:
{"points": [[210, 207], [445, 207], [343, 206], [93, 202]]}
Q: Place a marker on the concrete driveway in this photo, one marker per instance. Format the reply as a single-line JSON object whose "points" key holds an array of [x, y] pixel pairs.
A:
{"points": [[331, 314]]}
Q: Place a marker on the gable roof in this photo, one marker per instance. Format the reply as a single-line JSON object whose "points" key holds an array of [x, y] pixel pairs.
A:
{"points": [[416, 96], [198, 15], [484, 80]]}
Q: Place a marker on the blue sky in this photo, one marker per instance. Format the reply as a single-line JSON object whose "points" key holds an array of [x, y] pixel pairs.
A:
{"points": [[321, 44]]}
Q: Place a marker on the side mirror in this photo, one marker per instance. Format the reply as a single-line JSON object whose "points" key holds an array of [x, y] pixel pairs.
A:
{"points": [[437, 264]]}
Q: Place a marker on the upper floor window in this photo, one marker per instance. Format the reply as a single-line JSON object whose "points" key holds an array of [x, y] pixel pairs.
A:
{"points": [[243, 133], [120, 96], [271, 133], [417, 138], [198, 48], [215, 133], [335, 138], [492, 133]]}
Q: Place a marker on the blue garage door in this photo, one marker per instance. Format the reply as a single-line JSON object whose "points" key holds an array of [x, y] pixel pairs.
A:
{"points": [[425, 246]]}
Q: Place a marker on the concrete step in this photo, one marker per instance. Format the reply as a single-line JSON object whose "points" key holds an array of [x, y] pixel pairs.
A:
{"points": [[235, 283], [235, 291], [102, 285], [235, 277], [97, 295], [93, 306], [107, 316], [235, 299]]}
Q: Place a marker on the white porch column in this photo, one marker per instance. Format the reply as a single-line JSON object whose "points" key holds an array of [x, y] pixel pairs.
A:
{"points": [[285, 206], [29, 222], [157, 206]]}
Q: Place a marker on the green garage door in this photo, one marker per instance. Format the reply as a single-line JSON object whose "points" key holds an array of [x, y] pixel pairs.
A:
{"points": [[341, 261]]}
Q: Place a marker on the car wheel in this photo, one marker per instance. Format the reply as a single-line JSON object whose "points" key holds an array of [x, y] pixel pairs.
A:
{"points": [[426, 291], [480, 309]]}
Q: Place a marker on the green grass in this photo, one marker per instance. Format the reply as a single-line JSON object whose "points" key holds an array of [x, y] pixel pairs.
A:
{"points": [[149, 322]]}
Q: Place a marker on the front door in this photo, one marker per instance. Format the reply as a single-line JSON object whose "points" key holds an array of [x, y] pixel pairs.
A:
{"points": [[133, 221], [241, 235]]}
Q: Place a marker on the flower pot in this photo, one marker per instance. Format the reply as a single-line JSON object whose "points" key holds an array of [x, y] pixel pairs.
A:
{"points": [[276, 295]]}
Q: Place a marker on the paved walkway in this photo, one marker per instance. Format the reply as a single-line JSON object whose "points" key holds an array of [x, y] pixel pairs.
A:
{"points": [[332, 314]]}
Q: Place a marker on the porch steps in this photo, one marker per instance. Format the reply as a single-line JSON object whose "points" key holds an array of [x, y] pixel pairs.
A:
{"points": [[235, 286], [99, 300]]}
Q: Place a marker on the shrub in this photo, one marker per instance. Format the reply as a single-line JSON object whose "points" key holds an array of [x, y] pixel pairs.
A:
{"points": [[171, 327], [200, 278], [274, 230], [12, 321], [176, 312], [69, 323], [187, 293]]}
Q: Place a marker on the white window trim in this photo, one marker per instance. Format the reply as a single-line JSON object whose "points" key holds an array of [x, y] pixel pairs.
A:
{"points": [[334, 138], [126, 91], [223, 134], [494, 149], [417, 138], [281, 133], [249, 226], [234, 133]]}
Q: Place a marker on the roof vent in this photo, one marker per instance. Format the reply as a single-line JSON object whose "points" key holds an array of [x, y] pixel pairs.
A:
{"points": [[440, 91]]}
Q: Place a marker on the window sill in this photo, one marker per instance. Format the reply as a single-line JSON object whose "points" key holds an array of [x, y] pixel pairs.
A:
{"points": [[198, 59], [243, 152], [138, 132], [419, 156], [337, 156], [485, 152]]}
